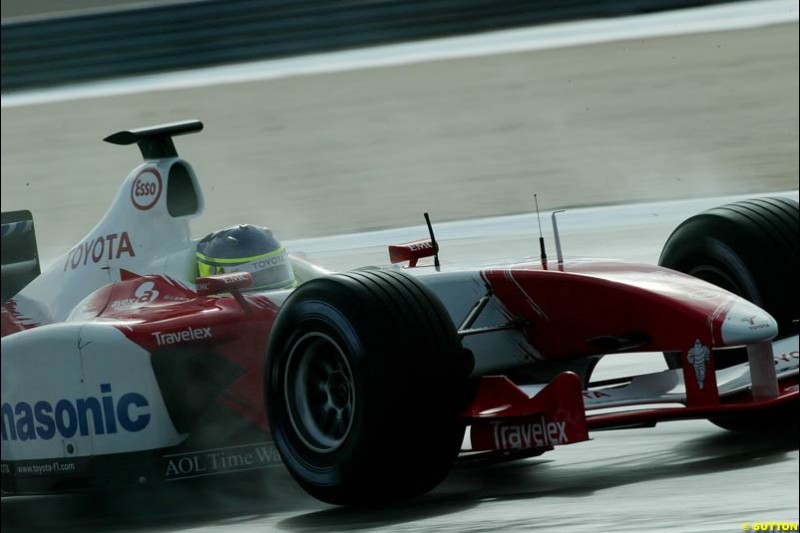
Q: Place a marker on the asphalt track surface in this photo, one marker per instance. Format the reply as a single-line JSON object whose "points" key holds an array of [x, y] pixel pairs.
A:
{"points": [[682, 477], [673, 117]]}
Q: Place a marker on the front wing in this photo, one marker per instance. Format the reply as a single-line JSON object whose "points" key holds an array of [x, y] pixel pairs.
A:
{"points": [[506, 417]]}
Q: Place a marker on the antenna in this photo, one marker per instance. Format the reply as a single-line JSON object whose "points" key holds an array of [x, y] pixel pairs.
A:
{"points": [[541, 238], [559, 255], [433, 242]]}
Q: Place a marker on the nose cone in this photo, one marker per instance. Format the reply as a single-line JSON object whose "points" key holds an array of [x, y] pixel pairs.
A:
{"points": [[747, 323]]}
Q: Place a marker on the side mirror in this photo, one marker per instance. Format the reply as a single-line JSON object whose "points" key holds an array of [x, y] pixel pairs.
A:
{"points": [[411, 251], [221, 283]]}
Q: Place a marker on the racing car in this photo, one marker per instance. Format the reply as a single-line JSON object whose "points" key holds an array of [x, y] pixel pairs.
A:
{"points": [[122, 366]]}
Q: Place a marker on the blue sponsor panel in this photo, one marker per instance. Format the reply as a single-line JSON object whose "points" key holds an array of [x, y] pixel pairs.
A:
{"points": [[66, 418]]}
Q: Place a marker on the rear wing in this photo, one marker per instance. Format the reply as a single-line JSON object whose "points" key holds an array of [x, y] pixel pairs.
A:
{"points": [[20, 256], [155, 142]]}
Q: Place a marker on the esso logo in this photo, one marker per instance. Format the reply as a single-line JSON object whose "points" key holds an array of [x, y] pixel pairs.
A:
{"points": [[146, 189]]}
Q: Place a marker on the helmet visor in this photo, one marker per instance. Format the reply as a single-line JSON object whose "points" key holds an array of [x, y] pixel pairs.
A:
{"points": [[270, 271]]}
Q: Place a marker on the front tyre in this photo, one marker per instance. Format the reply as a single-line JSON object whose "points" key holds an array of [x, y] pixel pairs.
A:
{"points": [[364, 381]]}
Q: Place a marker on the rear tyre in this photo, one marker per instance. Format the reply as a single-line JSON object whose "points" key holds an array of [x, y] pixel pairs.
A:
{"points": [[749, 248], [365, 379]]}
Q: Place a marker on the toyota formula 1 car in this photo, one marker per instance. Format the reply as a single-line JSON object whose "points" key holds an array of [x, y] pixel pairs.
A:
{"points": [[121, 366]]}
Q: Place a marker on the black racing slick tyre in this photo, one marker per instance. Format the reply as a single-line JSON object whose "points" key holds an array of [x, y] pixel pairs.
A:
{"points": [[749, 248], [365, 378]]}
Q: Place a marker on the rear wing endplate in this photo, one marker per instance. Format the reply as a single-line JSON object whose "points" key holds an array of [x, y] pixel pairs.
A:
{"points": [[20, 256]]}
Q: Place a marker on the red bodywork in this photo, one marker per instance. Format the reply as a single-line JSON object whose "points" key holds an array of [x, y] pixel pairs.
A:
{"points": [[168, 313], [579, 310], [411, 252], [503, 417]]}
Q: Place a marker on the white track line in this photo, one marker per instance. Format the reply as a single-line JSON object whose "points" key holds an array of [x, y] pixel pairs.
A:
{"points": [[697, 20]]}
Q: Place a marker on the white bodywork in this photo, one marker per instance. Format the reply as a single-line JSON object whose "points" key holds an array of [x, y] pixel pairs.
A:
{"points": [[73, 365], [158, 241]]}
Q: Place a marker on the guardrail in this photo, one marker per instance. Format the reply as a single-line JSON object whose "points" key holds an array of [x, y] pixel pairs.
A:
{"points": [[199, 33]]}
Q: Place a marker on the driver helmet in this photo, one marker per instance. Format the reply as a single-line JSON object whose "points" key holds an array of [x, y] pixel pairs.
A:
{"points": [[246, 248]]}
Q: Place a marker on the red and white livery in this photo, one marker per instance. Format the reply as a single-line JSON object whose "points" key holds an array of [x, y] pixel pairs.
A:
{"points": [[121, 366]]}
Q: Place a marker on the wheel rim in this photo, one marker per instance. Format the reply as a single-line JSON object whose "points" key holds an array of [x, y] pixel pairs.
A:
{"points": [[319, 392]]}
